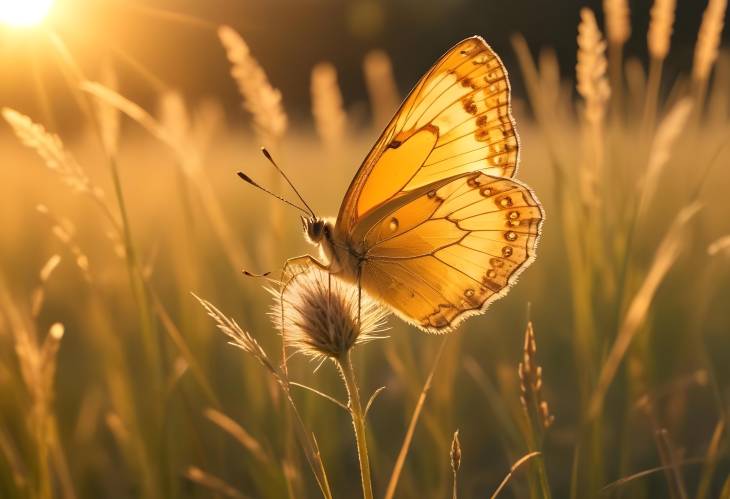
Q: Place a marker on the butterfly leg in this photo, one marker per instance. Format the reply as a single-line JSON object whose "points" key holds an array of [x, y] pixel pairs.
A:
{"points": [[295, 266], [359, 295]]}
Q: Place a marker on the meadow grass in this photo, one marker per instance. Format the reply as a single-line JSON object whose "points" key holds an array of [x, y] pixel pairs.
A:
{"points": [[114, 382]]}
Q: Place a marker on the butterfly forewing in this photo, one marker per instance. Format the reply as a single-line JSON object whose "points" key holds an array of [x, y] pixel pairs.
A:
{"points": [[456, 120], [450, 252]]}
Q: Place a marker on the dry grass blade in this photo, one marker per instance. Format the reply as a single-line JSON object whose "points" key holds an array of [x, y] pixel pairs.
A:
{"points": [[39, 293], [50, 148], [720, 246], [48, 268], [108, 115], [134, 111], [669, 460], [241, 435], [212, 482], [669, 130], [13, 460], [708, 39], [666, 255], [512, 471], [321, 394], [725, 492], [660, 28], [372, 398], [330, 118], [260, 98], [207, 123], [544, 110], [174, 118], [406, 445], [641, 474], [179, 341], [497, 403], [703, 489], [635, 77]]}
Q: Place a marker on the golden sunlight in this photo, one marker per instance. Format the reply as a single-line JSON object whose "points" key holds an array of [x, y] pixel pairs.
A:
{"points": [[24, 13]]}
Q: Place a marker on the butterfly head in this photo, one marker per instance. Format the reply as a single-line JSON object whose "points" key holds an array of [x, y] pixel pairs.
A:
{"points": [[316, 229]]}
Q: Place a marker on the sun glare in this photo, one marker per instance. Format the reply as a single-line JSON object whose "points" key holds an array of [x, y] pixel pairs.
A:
{"points": [[24, 13]]}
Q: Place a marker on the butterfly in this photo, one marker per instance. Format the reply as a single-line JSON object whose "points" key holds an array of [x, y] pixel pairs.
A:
{"points": [[434, 225]]}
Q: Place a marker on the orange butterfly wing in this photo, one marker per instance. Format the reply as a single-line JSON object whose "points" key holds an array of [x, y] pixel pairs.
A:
{"points": [[441, 228], [457, 119], [449, 253]]}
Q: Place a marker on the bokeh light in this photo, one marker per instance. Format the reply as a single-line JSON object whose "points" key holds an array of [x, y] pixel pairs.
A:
{"points": [[24, 13]]}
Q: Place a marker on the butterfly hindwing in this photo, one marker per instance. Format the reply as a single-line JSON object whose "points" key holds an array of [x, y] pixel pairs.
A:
{"points": [[457, 119], [449, 252]]}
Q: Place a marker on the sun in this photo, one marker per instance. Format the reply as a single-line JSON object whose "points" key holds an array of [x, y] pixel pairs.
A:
{"points": [[24, 13]]}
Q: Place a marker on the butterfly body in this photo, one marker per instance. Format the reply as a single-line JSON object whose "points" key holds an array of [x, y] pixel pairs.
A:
{"points": [[433, 224], [338, 257]]}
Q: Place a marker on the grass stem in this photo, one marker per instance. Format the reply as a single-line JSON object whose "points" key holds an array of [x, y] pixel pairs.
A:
{"points": [[358, 422]]}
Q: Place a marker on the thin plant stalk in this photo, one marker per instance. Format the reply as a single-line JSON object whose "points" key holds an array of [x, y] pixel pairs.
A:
{"points": [[511, 472], [358, 422], [406, 445], [653, 87]]}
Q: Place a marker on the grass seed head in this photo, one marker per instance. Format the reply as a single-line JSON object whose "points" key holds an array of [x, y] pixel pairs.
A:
{"points": [[317, 315], [381, 85], [708, 39], [260, 98], [591, 68], [618, 20], [50, 148], [455, 452], [530, 374], [660, 28], [327, 105]]}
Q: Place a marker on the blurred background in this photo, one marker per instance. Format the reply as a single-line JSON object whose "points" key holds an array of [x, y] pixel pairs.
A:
{"points": [[290, 36], [121, 134]]}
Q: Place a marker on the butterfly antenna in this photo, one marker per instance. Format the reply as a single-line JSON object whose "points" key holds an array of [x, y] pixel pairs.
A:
{"points": [[254, 274], [249, 180], [281, 172]]}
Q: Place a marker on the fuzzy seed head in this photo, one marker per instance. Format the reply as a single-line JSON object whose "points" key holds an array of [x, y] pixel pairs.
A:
{"points": [[317, 315]]}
